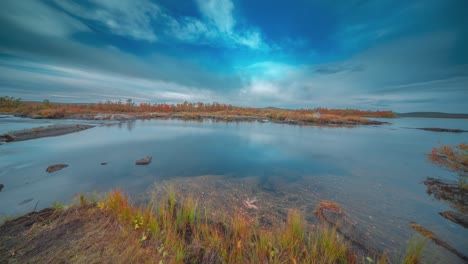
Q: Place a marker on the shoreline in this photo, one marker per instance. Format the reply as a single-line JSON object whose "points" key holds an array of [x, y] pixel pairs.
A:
{"points": [[345, 122], [177, 230], [41, 132]]}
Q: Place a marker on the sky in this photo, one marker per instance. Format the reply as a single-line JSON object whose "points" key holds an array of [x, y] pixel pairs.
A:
{"points": [[379, 55]]}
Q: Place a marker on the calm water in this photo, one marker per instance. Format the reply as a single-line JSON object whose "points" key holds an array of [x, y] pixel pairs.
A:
{"points": [[374, 172]]}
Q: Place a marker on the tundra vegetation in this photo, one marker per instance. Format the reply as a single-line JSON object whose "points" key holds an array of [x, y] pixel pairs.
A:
{"points": [[171, 230], [453, 158], [47, 109]]}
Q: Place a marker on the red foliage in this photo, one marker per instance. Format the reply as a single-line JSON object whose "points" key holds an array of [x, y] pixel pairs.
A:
{"points": [[452, 158]]}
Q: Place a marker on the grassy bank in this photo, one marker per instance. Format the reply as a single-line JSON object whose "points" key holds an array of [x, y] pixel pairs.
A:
{"points": [[188, 110], [173, 230]]}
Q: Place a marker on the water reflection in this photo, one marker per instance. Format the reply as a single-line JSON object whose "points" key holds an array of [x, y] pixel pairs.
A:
{"points": [[449, 191], [129, 125], [369, 171]]}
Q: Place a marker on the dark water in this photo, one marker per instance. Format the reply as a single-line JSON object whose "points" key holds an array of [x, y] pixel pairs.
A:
{"points": [[374, 172]]}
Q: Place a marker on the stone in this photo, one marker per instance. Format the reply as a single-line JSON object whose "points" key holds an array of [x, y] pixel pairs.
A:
{"points": [[144, 161], [56, 167]]}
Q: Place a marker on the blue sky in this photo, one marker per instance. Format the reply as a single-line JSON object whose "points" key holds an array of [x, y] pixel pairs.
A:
{"points": [[398, 55]]}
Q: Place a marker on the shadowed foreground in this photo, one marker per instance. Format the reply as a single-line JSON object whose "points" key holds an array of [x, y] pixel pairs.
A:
{"points": [[113, 231]]}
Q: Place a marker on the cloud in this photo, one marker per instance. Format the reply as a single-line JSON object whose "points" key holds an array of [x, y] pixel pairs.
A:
{"points": [[132, 18], [412, 56], [40, 18], [23, 40], [145, 20], [189, 29], [220, 14], [336, 68], [40, 81], [402, 75]]}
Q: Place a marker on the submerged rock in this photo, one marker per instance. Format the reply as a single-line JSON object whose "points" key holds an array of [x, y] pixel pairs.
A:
{"points": [[40, 132], [449, 191], [332, 214], [25, 201], [103, 163], [56, 167], [438, 129], [436, 239], [1, 187], [6, 138], [144, 161], [456, 217]]}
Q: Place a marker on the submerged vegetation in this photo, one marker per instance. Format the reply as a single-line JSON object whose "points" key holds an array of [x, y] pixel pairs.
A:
{"points": [[453, 158], [188, 110], [455, 193]]}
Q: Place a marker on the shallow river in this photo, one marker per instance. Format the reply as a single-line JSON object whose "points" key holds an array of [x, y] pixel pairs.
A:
{"points": [[374, 172]]}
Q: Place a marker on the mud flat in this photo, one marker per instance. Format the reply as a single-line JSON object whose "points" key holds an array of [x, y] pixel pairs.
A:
{"points": [[40, 132]]}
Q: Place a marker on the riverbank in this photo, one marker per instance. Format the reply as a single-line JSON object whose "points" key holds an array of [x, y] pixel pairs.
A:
{"points": [[329, 121], [44, 131], [174, 230], [192, 111]]}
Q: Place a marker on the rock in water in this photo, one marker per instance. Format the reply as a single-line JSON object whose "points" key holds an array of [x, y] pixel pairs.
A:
{"points": [[436, 239], [333, 214], [456, 217], [1, 187], [53, 168], [144, 161]]}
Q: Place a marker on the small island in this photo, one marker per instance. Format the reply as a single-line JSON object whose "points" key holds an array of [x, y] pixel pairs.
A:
{"points": [[129, 110]]}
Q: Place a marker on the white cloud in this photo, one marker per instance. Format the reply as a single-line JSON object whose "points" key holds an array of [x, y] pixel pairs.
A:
{"points": [[138, 19], [41, 81], [132, 18], [189, 29], [35, 16], [402, 75], [220, 14]]}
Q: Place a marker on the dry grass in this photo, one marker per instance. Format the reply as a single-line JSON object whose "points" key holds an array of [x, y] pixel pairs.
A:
{"points": [[174, 230], [183, 232]]}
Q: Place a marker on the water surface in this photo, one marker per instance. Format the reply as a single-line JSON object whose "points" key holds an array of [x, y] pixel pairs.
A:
{"points": [[373, 172]]}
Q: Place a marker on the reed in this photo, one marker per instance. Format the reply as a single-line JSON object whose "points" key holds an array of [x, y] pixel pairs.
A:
{"points": [[182, 232]]}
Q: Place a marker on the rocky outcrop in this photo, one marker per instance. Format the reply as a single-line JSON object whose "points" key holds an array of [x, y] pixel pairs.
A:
{"points": [[56, 167], [40, 132], [144, 161]]}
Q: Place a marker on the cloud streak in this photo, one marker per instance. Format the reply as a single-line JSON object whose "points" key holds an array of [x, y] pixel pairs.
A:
{"points": [[412, 57]]}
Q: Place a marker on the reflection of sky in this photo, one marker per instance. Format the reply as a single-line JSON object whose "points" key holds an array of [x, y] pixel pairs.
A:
{"points": [[379, 167]]}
